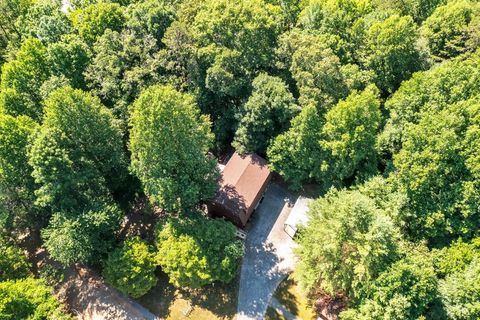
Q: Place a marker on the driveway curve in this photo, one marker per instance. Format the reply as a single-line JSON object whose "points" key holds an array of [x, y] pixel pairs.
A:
{"points": [[268, 254]]}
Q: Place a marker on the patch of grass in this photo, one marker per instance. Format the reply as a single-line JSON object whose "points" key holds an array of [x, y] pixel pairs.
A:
{"points": [[292, 298], [213, 302]]}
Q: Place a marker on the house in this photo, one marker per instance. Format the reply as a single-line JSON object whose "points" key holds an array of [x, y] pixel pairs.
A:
{"points": [[243, 181], [298, 216]]}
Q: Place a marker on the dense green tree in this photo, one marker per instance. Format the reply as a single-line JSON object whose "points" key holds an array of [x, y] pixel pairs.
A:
{"points": [[10, 11], [169, 141], [70, 57], [149, 17], [419, 10], [195, 252], [82, 237], [341, 20], [349, 136], [456, 257], [22, 78], [438, 170], [296, 154], [13, 262], [45, 21], [345, 245], [460, 292], [92, 21], [77, 155], [427, 92], [406, 290], [391, 52], [122, 65], [453, 28], [131, 268], [266, 114], [234, 39], [16, 183], [29, 299]]}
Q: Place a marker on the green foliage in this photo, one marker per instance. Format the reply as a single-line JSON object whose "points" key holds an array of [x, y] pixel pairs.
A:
{"points": [[13, 262], [77, 155], [456, 257], [346, 244], [266, 114], [428, 92], [195, 251], [29, 299], [131, 268], [296, 154], [460, 292], [92, 21], [438, 170], [390, 51], [453, 28], [122, 65], [406, 290], [69, 57], [22, 78], [169, 141], [44, 21], [419, 10], [149, 17], [349, 136], [16, 184], [82, 237], [339, 19]]}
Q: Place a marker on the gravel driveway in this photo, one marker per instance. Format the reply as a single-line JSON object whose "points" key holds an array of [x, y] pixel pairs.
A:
{"points": [[268, 254]]}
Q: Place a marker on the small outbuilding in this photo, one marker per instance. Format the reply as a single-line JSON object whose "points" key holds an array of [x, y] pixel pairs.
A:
{"points": [[298, 216], [243, 182]]}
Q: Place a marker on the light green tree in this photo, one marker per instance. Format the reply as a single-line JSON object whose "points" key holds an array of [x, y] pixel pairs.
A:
{"points": [[131, 268], [169, 141], [345, 245], [195, 252], [453, 29]]}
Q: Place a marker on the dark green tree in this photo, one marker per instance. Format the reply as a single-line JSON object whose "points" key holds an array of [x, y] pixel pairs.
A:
{"points": [[16, 183], [266, 114], [77, 155]]}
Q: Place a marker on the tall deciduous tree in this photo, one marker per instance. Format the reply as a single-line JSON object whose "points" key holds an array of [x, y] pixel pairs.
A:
{"points": [[453, 29], [346, 244], [438, 170], [16, 183], [77, 155], [169, 141], [349, 136], [92, 21], [22, 78], [391, 52], [266, 114], [296, 154]]}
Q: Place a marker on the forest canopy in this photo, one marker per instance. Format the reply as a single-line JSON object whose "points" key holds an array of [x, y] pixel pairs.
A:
{"points": [[120, 107]]}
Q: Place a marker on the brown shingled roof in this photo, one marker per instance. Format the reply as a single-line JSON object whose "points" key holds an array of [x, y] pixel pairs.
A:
{"points": [[243, 182]]}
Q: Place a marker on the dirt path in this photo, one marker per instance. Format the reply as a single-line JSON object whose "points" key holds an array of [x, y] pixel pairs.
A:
{"points": [[268, 254], [91, 299]]}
